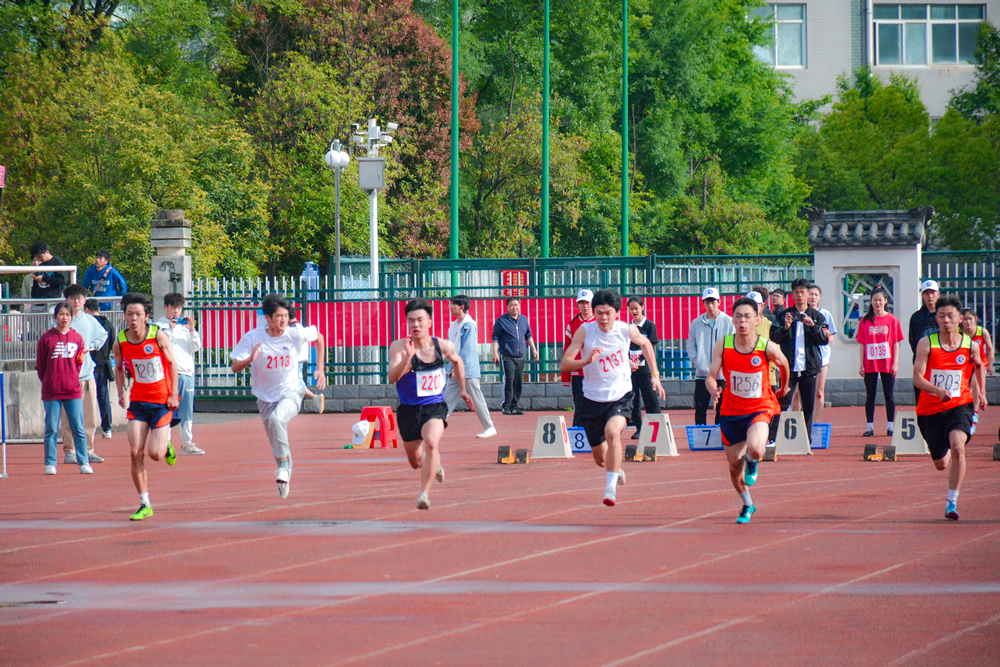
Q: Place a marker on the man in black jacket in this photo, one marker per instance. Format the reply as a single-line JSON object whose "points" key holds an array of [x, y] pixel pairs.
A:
{"points": [[924, 321], [103, 372], [48, 284], [800, 332]]}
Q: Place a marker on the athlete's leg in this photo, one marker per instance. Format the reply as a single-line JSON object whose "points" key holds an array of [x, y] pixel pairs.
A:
{"points": [[734, 455], [600, 453], [757, 439], [820, 393], [956, 471], [431, 434], [613, 442], [137, 431], [414, 452], [157, 446], [276, 417]]}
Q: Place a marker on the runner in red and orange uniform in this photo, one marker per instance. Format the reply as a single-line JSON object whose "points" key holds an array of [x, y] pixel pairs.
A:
{"points": [[748, 404], [971, 328], [143, 353], [942, 370]]}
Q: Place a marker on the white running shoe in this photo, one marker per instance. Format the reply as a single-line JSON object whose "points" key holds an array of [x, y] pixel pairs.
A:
{"points": [[609, 496], [423, 502], [192, 449], [283, 478], [50, 470], [86, 470], [488, 433], [440, 474], [107, 435], [621, 478]]}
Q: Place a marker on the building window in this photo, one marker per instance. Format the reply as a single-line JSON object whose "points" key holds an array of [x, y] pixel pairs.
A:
{"points": [[925, 35], [788, 35]]}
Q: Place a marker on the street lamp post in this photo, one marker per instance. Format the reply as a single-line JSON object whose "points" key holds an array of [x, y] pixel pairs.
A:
{"points": [[337, 159], [371, 177]]}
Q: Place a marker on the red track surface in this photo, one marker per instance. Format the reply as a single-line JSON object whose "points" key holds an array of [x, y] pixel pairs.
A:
{"points": [[845, 562]]}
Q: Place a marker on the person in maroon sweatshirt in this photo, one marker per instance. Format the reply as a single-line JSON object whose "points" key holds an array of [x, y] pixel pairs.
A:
{"points": [[58, 361]]}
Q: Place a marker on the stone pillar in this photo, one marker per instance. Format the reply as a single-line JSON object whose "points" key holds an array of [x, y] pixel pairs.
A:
{"points": [[171, 266]]}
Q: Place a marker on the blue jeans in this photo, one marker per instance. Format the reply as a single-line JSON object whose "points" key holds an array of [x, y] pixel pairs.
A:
{"points": [[103, 398], [74, 412]]}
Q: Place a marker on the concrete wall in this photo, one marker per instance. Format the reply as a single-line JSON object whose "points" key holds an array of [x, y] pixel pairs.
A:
{"points": [[25, 412], [554, 396]]}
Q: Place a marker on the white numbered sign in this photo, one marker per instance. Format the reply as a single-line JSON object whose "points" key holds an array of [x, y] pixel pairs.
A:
{"points": [[792, 437], [551, 439], [906, 436], [704, 437], [578, 441], [656, 430], [430, 383]]}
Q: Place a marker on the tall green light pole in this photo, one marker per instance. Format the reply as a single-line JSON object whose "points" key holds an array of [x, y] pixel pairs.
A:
{"points": [[453, 245], [545, 139], [624, 128]]}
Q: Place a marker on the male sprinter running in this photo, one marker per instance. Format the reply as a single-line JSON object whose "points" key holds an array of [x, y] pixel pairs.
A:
{"points": [[941, 371], [600, 347], [416, 366], [272, 352], [748, 402], [143, 352]]}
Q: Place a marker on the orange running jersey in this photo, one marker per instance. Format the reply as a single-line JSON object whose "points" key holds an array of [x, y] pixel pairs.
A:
{"points": [[981, 339], [144, 364], [947, 370], [748, 380]]}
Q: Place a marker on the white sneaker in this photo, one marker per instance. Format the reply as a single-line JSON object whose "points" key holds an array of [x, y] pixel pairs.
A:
{"points": [[283, 478], [488, 433], [621, 478], [107, 435], [609, 496], [423, 502], [94, 458], [50, 470], [70, 458], [440, 474], [86, 470], [319, 402], [192, 449]]}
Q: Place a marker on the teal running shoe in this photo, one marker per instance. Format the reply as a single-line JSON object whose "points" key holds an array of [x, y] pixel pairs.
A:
{"points": [[750, 472], [951, 511], [746, 513]]}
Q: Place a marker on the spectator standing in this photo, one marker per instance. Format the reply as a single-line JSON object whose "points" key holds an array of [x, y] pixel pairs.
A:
{"points": [[185, 342], [704, 332], [103, 279], [58, 360], [924, 321], [48, 284], [815, 294], [777, 302], [585, 313], [464, 335], [94, 336], [511, 340], [765, 312], [642, 376], [103, 370], [801, 332], [879, 334]]}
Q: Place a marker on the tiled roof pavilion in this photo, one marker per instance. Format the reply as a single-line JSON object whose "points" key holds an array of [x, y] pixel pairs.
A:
{"points": [[869, 228]]}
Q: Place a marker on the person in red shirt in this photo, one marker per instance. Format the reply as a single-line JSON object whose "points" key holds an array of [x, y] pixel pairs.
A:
{"points": [[748, 404], [981, 335], [585, 313], [942, 370], [58, 361], [879, 335]]}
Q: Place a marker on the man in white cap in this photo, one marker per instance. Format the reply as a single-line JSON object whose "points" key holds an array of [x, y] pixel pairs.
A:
{"points": [[924, 321], [703, 333], [585, 313]]}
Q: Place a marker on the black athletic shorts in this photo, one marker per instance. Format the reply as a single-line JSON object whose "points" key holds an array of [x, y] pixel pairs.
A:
{"points": [[935, 428], [734, 427], [157, 415], [411, 419], [594, 416]]}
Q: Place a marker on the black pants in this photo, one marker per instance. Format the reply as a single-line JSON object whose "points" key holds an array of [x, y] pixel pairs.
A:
{"points": [[642, 388], [576, 383], [103, 399], [702, 399], [513, 378], [888, 384], [807, 394]]}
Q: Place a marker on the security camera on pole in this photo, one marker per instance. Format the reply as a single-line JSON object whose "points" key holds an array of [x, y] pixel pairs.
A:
{"points": [[371, 177], [337, 159]]}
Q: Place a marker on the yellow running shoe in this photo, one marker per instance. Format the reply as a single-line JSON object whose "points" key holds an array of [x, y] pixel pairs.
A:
{"points": [[143, 512]]}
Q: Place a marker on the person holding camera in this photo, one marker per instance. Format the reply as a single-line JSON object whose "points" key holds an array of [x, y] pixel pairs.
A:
{"points": [[800, 332]]}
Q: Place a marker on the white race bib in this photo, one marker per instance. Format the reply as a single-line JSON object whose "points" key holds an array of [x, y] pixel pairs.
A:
{"points": [[950, 381], [878, 350], [147, 371], [430, 383], [746, 385], [275, 363], [636, 357], [610, 363]]}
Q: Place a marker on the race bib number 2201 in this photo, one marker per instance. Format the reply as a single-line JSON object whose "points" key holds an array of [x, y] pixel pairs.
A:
{"points": [[430, 383]]}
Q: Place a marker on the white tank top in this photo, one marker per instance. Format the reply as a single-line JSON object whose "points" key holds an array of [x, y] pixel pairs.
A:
{"points": [[609, 377]]}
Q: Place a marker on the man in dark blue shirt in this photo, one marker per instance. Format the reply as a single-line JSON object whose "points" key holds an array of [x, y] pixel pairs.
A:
{"points": [[511, 338]]}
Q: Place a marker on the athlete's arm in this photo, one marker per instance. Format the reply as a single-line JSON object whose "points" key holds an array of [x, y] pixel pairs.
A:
{"points": [[167, 352], [320, 373], [980, 372], [861, 349], [400, 354], [775, 354], [711, 382], [449, 352], [119, 374], [569, 361], [239, 365], [920, 367], [650, 354], [895, 359], [990, 351]]}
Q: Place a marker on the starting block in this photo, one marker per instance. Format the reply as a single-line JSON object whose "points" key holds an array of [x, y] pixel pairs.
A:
{"points": [[632, 453], [519, 455], [649, 454], [906, 436], [996, 452], [792, 437], [578, 440], [551, 439], [888, 453], [656, 431], [770, 453]]}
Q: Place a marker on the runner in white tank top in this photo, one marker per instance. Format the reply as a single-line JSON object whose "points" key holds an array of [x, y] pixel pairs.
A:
{"points": [[607, 382]]}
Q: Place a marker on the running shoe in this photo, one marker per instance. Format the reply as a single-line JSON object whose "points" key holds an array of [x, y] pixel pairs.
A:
{"points": [[107, 435], [143, 512], [951, 511], [609, 496], [869, 433], [70, 458], [750, 472], [423, 502], [635, 436], [516, 411], [319, 403], [86, 470], [171, 456], [50, 470], [888, 433], [284, 478], [621, 478], [488, 433], [191, 449], [440, 474], [94, 458], [746, 513]]}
